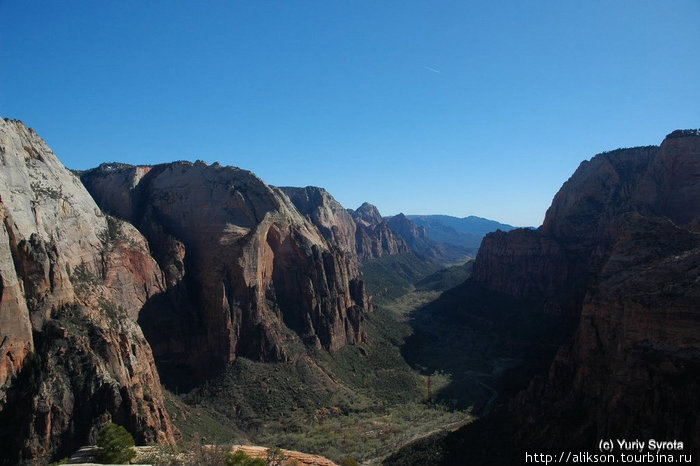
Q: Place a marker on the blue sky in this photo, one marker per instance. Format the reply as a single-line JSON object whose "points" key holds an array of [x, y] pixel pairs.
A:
{"points": [[450, 107]]}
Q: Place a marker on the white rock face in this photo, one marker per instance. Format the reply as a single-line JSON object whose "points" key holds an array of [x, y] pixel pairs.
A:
{"points": [[15, 328], [40, 203], [72, 282], [43, 197]]}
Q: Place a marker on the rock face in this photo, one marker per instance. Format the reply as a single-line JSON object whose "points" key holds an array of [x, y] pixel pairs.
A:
{"points": [[416, 238], [367, 215], [557, 261], [619, 251], [378, 236], [71, 284], [373, 236], [525, 264], [332, 219], [247, 274], [632, 366]]}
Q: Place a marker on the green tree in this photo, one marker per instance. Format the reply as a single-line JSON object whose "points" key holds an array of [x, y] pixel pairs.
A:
{"points": [[115, 445], [275, 456], [241, 459]]}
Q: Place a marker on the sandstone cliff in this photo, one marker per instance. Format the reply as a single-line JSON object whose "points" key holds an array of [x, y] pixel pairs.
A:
{"points": [[619, 251], [417, 239], [601, 302], [247, 274], [373, 236], [379, 236], [71, 284], [367, 215], [332, 219]]}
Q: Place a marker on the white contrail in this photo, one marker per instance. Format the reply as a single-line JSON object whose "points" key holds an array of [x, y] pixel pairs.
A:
{"points": [[432, 69]]}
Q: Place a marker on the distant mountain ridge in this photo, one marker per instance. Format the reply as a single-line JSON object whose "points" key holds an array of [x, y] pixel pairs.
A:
{"points": [[398, 234], [466, 232], [374, 238]]}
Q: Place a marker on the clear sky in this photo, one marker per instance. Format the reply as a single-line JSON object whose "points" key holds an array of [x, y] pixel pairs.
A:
{"points": [[453, 107]]}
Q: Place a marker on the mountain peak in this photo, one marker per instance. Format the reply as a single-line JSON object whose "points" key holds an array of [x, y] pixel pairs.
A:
{"points": [[683, 133], [368, 214]]}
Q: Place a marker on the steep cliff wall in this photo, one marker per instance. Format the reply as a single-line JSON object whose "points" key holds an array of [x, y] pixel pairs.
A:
{"points": [[333, 221], [373, 236], [620, 251], [557, 262], [618, 256], [631, 368], [71, 284], [417, 240], [247, 273]]}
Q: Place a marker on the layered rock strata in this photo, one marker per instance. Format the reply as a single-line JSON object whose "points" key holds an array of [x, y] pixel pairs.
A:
{"points": [[333, 221], [619, 251], [72, 282], [373, 236], [247, 274]]}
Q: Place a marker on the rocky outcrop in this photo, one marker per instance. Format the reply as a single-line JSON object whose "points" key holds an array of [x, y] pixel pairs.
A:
{"points": [[417, 239], [71, 284], [631, 367], [291, 456], [332, 219], [373, 236], [557, 262], [619, 251], [247, 273], [367, 215], [525, 264], [377, 236], [377, 241]]}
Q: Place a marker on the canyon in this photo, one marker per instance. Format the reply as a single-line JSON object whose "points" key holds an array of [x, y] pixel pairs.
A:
{"points": [[616, 263], [170, 274], [126, 288]]}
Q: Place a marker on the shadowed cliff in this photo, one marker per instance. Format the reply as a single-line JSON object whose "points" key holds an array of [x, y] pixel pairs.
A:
{"points": [[619, 256], [247, 274]]}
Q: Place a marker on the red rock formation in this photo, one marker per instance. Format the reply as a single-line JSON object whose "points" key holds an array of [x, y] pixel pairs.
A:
{"points": [[243, 265], [556, 262], [521, 263], [619, 250], [373, 236], [367, 215], [71, 356], [333, 221], [632, 366]]}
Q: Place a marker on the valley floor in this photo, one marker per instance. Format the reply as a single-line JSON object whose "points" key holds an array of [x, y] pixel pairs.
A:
{"points": [[364, 402]]}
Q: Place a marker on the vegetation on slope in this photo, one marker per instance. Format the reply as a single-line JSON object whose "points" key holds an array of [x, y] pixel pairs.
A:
{"points": [[362, 402], [446, 278], [489, 345], [389, 277], [115, 445]]}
